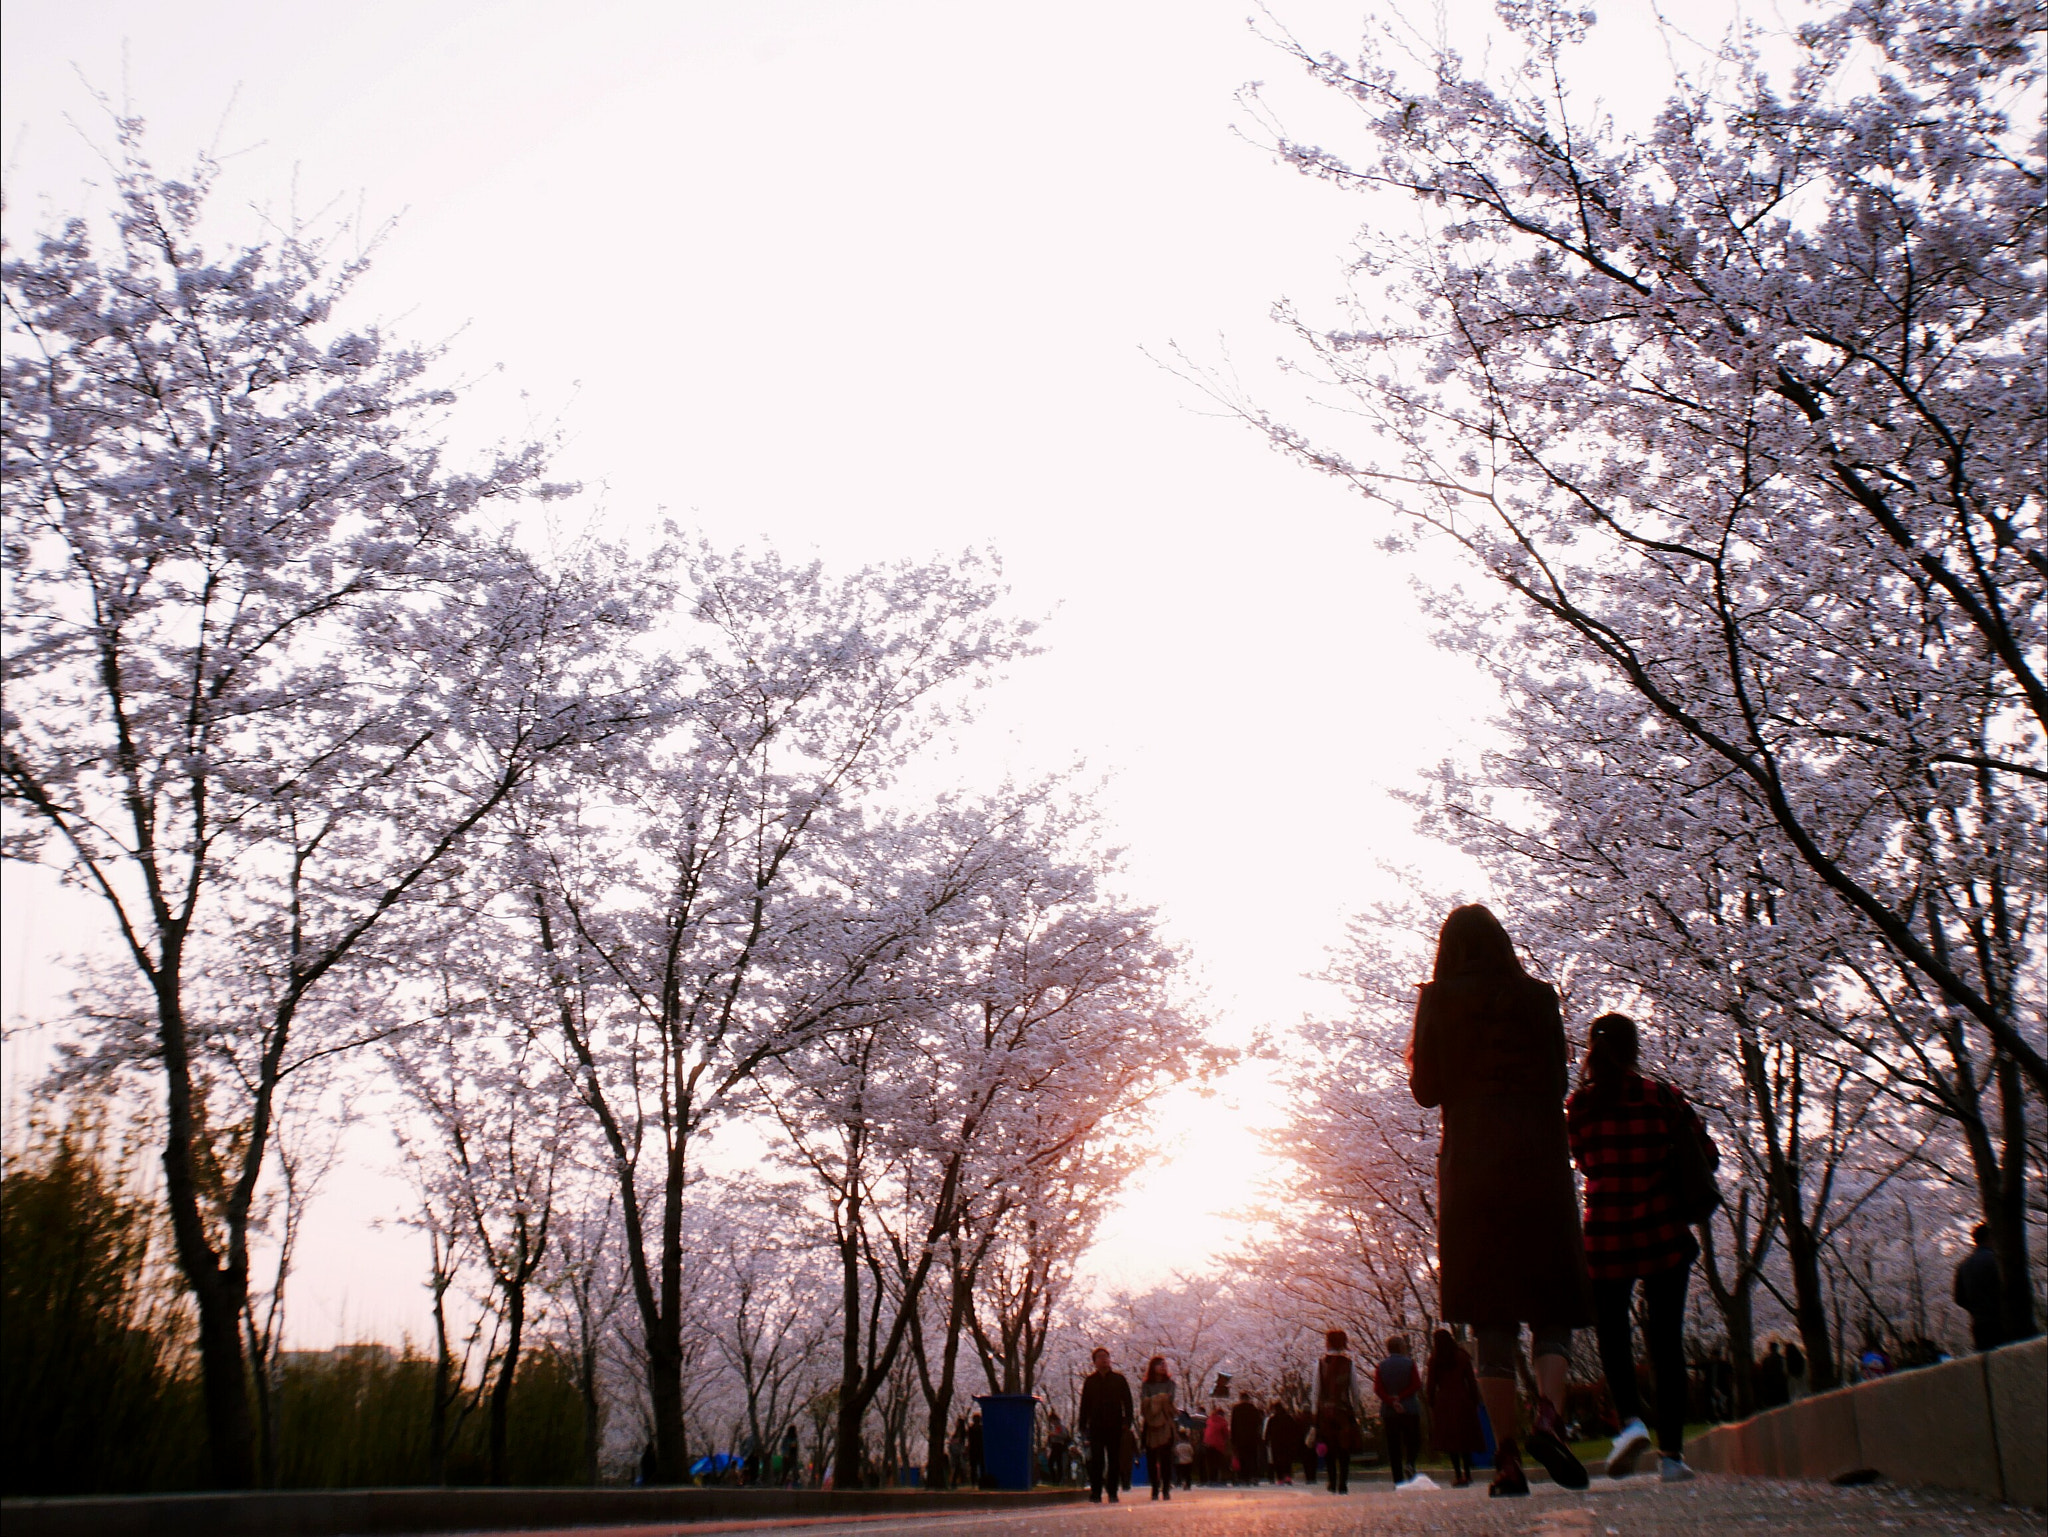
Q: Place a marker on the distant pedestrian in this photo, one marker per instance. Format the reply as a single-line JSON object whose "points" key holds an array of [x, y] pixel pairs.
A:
{"points": [[1156, 1425], [1629, 1135], [1105, 1418], [1979, 1293], [1283, 1442], [1216, 1446], [1397, 1384], [1336, 1411], [977, 1460], [1058, 1444], [792, 1458], [1796, 1384], [956, 1447], [1773, 1385], [1245, 1425], [1184, 1457], [1489, 1048], [1452, 1392]]}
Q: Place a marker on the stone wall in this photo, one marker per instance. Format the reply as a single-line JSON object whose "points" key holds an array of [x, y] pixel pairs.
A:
{"points": [[1978, 1424]]}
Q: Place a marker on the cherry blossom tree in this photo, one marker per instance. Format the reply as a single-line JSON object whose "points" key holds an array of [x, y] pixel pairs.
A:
{"points": [[271, 663], [1035, 1014], [772, 1295], [1353, 1219], [1739, 413], [723, 892], [504, 1134], [586, 1280]]}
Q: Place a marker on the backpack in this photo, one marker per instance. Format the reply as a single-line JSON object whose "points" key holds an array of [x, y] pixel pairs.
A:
{"points": [[1689, 1168]]}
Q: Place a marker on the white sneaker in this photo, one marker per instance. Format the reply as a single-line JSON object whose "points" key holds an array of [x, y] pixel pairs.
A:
{"points": [[1676, 1472], [1629, 1446]]}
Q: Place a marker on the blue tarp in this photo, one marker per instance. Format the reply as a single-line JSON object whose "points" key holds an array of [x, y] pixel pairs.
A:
{"points": [[717, 1462]]}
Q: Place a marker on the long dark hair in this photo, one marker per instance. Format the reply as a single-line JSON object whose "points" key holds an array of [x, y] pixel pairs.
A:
{"points": [[1612, 1051], [1443, 1353], [1155, 1370], [1473, 943]]}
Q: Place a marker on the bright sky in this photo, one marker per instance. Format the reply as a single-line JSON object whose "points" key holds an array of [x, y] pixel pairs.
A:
{"points": [[876, 277]]}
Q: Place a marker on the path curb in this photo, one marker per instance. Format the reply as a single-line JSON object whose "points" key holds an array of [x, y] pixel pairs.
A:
{"points": [[1978, 1424], [413, 1512]]}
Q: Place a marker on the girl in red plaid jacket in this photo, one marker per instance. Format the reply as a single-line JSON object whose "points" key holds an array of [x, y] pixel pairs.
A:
{"points": [[1623, 1127]]}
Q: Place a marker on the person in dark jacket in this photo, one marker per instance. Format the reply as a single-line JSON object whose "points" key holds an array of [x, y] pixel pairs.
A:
{"points": [[1451, 1390], [1977, 1291], [977, 1462], [1773, 1386], [1105, 1419], [1625, 1129], [1245, 1424], [1489, 1049], [1336, 1412], [1283, 1442], [1397, 1384]]}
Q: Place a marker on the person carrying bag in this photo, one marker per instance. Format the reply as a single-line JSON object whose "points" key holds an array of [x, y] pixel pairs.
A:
{"points": [[1649, 1167]]}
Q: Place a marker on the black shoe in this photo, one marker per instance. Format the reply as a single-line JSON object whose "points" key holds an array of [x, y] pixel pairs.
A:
{"points": [[1508, 1480], [1565, 1470]]}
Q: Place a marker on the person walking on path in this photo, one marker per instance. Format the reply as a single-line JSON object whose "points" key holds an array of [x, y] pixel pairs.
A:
{"points": [[1489, 1050], [1795, 1372], [1245, 1424], [1397, 1384], [1283, 1442], [1773, 1385], [1105, 1417], [1184, 1457], [1977, 1291], [977, 1458], [1216, 1446], [1452, 1393], [1156, 1425], [1057, 1445], [1336, 1411], [1626, 1130]]}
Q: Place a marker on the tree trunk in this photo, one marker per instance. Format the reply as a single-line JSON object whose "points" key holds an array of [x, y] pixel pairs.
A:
{"points": [[230, 1429], [437, 1413], [938, 1471], [1788, 1196], [2009, 1224], [1809, 1309], [852, 1406], [1735, 1298], [501, 1390], [220, 1291], [593, 1428]]}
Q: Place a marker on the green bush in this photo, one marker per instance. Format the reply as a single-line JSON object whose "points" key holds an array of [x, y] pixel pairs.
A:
{"points": [[97, 1388], [99, 1385]]}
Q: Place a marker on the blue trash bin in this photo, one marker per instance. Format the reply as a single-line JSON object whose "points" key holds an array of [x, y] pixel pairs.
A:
{"points": [[1007, 1420]]}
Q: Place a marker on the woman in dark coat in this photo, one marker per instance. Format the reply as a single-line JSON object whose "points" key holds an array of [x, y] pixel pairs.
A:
{"points": [[1337, 1411], [1489, 1049], [1452, 1392], [1283, 1442]]}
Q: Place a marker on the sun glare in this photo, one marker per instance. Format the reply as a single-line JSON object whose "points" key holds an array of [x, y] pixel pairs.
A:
{"points": [[1202, 1195]]}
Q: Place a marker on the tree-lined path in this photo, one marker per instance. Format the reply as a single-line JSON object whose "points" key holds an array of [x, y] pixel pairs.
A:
{"points": [[1640, 1508]]}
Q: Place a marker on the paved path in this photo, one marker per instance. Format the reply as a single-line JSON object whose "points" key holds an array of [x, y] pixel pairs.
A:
{"points": [[1635, 1508]]}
